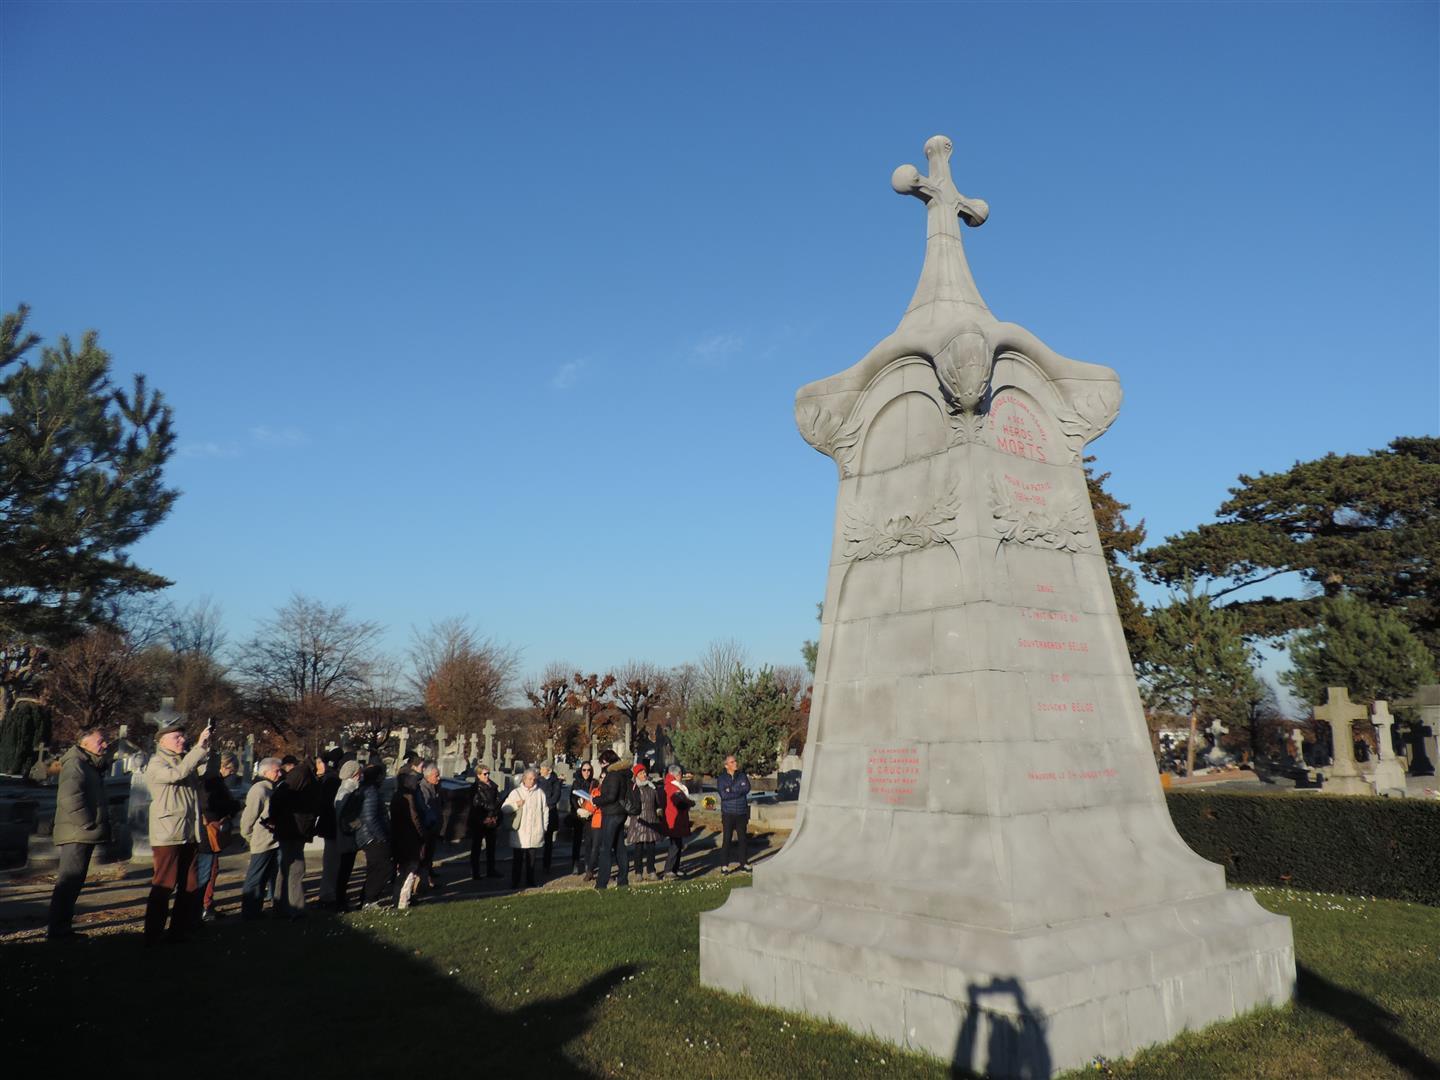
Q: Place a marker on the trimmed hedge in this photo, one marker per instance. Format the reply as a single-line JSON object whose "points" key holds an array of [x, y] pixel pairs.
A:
{"points": [[1356, 845]]}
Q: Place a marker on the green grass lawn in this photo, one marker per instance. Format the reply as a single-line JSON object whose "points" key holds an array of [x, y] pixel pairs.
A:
{"points": [[586, 984]]}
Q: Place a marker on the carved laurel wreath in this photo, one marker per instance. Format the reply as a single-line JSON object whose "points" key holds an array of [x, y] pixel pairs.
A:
{"points": [[866, 540], [1063, 530]]}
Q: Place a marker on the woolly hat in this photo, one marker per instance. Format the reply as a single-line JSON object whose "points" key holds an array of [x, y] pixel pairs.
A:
{"points": [[350, 770]]}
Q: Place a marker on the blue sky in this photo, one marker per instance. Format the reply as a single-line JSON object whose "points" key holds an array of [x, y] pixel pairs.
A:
{"points": [[499, 310]]}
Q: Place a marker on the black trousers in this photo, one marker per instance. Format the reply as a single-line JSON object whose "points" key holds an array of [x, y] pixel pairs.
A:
{"points": [[482, 837], [377, 870], [74, 864], [612, 845], [522, 856], [342, 880], [579, 837], [735, 824], [672, 861], [549, 840], [645, 857]]}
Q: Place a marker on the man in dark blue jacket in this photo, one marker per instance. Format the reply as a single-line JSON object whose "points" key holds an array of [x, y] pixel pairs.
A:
{"points": [[734, 788], [553, 787]]}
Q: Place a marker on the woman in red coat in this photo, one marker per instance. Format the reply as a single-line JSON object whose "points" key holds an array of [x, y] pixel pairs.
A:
{"points": [[677, 819]]}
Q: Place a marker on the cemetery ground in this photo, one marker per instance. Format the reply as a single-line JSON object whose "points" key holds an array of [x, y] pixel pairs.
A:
{"points": [[566, 981]]}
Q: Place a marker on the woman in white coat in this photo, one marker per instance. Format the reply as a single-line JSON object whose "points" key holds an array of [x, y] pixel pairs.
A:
{"points": [[528, 817]]}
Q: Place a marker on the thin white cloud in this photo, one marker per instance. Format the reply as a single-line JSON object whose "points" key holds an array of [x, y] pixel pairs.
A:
{"points": [[207, 449], [716, 349], [567, 374], [286, 436]]}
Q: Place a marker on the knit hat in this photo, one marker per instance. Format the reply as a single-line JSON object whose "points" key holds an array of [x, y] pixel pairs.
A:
{"points": [[350, 770], [639, 769]]}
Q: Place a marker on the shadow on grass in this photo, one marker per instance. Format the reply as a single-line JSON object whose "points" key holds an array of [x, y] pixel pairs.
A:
{"points": [[1370, 1022], [305, 990]]}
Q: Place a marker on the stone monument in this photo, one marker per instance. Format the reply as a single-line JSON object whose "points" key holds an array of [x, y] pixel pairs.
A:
{"points": [[982, 865], [1421, 747], [1388, 777], [1343, 776]]}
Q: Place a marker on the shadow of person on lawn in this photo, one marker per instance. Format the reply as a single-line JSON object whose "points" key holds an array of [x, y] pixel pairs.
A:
{"points": [[1370, 1022], [318, 997]]}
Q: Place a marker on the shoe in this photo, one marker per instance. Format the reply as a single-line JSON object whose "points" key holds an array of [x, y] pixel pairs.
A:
{"points": [[744, 868], [725, 871], [208, 915]]}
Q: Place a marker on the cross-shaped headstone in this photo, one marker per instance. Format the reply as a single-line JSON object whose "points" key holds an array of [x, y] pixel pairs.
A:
{"points": [[1340, 713], [1217, 729], [441, 749], [509, 759], [1421, 731], [1381, 718], [489, 730], [1298, 738], [550, 751]]}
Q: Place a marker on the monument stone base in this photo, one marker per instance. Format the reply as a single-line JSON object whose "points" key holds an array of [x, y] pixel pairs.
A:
{"points": [[1024, 1004]]}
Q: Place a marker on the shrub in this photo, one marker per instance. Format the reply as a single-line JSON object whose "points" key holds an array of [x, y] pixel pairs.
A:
{"points": [[1329, 843], [27, 725]]}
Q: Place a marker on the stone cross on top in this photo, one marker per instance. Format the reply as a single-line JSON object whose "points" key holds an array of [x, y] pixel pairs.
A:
{"points": [[1217, 729], [1381, 718], [945, 279], [1342, 778]]}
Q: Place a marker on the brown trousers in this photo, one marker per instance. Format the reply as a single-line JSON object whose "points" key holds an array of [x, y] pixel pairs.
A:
{"points": [[174, 873]]}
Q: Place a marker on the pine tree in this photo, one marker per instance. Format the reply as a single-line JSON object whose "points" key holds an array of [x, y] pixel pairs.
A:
{"points": [[1118, 537], [1367, 524], [81, 465], [1367, 649], [748, 719], [1198, 664]]}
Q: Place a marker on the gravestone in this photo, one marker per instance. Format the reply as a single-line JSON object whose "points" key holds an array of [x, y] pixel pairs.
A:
{"points": [[1297, 739], [489, 732], [474, 754], [1422, 747], [1216, 755], [1389, 776], [404, 738], [982, 864], [1340, 713], [550, 751]]}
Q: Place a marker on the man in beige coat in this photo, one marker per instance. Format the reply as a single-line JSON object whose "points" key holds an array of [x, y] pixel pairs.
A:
{"points": [[175, 830]]}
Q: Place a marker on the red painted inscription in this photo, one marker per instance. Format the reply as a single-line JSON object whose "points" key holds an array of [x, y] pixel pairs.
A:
{"points": [[892, 773], [1015, 429]]}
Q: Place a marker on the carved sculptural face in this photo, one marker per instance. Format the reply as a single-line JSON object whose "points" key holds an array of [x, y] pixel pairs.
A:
{"points": [[963, 367]]}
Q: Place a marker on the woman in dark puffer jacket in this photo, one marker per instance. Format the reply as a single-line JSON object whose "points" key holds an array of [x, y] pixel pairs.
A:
{"points": [[372, 836]]}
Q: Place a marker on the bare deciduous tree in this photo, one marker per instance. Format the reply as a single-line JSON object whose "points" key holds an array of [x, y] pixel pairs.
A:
{"points": [[97, 679], [462, 677], [380, 705], [590, 694], [639, 687], [684, 680], [718, 668], [548, 694], [304, 666]]}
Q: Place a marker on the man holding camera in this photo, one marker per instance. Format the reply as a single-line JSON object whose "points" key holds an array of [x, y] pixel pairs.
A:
{"points": [[173, 778]]}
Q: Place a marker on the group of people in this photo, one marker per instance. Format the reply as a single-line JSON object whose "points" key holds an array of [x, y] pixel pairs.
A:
{"points": [[614, 812]]}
